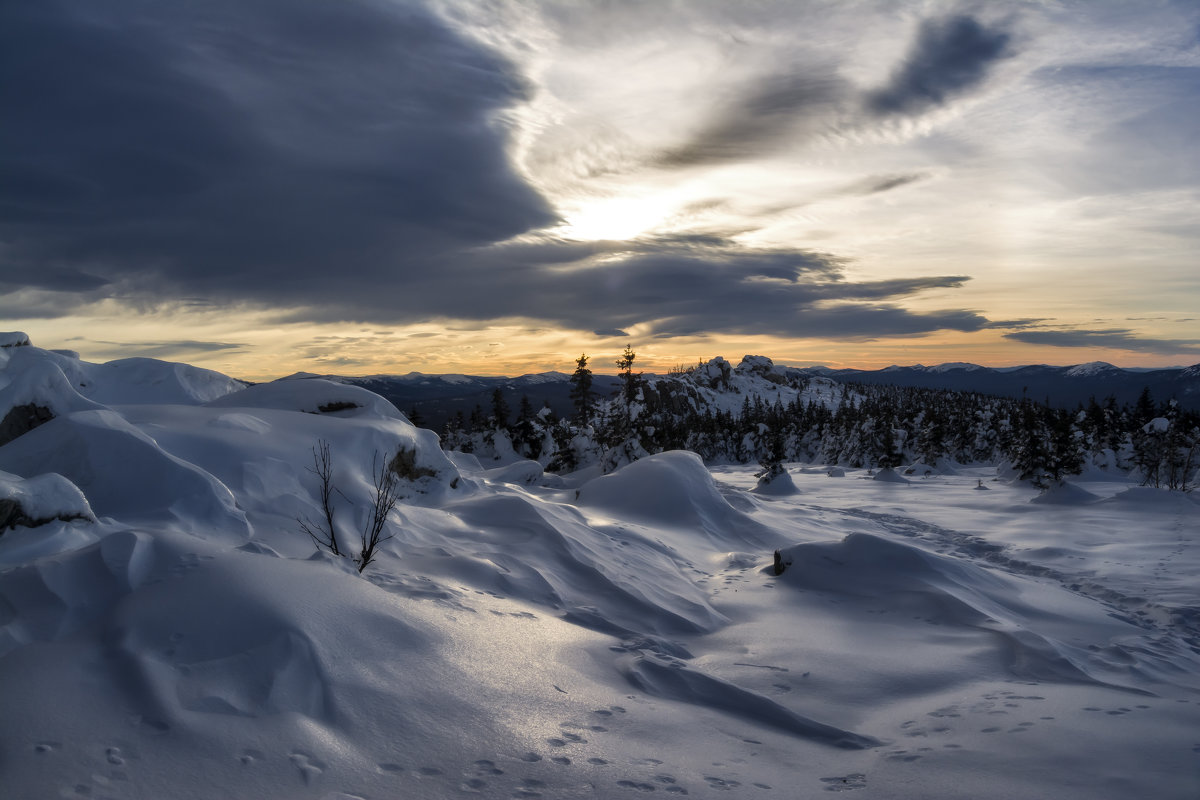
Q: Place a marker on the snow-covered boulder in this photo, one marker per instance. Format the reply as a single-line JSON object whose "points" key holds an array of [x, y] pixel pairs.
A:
{"points": [[124, 473], [775, 485], [525, 472], [889, 475], [672, 489], [312, 396], [40, 500], [14, 339], [1065, 494], [35, 393], [129, 381]]}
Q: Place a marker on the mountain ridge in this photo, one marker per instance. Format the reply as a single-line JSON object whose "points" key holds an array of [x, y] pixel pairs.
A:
{"points": [[436, 398]]}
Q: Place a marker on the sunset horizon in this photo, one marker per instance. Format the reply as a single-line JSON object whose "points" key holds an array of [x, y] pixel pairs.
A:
{"points": [[493, 188]]}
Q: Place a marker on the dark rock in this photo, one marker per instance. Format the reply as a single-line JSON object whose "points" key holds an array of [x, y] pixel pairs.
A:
{"points": [[13, 514], [21, 419]]}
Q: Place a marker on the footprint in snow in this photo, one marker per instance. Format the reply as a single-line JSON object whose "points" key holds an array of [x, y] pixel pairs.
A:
{"points": [[845, 783], [484, 767], [641, 787], [721, 783], [249, 756], [308, 766]]}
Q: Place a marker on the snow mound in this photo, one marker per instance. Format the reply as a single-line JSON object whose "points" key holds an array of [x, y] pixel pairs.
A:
{"points": [[1036, 628], [40, 500], [775, 486], [889, 475], [148, 380], [42, 383], [1065, 494], [124, 473], [191, 641], [616, 582], [664, 676], [672, 489], [524, 472], [123, 382], [1154, 499], [14, 339], [312, 396]]}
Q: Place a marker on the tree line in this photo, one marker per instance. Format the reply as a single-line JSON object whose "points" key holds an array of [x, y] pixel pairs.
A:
{"points": [[852, 425]]}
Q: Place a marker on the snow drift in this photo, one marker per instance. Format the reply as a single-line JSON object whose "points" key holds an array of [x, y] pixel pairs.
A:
{"points": [[167, 629]]}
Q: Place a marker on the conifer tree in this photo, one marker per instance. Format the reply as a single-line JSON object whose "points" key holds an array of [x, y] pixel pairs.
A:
{"points": [[630, 381], [500, 410], [581, 390]]}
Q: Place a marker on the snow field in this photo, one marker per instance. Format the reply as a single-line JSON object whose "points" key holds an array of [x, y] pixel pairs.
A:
{"points": [[526, 635]]}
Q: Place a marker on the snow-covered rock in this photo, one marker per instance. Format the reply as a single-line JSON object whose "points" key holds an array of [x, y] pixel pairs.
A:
{"points": [[39, 500], [14, 339]]}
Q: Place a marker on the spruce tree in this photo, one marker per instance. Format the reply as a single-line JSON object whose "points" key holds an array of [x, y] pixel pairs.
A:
{"points": [[500, 410], [625, 364], [581, 390]]}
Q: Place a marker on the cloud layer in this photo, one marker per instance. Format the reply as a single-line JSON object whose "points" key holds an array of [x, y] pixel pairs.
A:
{"points": [[263, 149], [366, 161], [1108, 338]]}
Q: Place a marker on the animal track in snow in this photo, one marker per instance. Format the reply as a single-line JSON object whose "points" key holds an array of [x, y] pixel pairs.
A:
{"points": [[309, 767]]}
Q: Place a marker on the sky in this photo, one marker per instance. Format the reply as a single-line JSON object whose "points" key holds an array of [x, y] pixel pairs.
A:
{"points": [[496, 186]]}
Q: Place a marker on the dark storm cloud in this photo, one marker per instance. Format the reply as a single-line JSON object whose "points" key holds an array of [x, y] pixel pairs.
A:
{"points": [[239, 148], [679, 286], [1116, 338], [340, 161], [54, 279], [951, 56]]}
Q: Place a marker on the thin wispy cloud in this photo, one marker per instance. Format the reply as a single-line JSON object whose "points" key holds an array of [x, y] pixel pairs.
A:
{"points": [[1114, 338]]}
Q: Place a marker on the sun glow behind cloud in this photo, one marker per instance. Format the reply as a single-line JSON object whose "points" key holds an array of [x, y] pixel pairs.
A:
{"points": [[494, 181]]}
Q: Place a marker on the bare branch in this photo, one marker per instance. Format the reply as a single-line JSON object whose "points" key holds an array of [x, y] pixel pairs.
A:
{"points": [[323, 535], [387, 493]]}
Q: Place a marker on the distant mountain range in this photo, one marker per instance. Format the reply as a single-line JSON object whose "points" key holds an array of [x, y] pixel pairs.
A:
{"points": [[1063, 387], [436, 398]]}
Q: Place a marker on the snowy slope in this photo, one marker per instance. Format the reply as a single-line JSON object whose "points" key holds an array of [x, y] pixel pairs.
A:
{"points": [[584, 636]]}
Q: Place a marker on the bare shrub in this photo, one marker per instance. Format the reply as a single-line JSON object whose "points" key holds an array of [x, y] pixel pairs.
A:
{"points": [[322, 533], [387, 492]]}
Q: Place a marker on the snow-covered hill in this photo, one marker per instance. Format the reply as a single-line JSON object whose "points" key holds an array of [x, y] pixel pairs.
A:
{"points": [[167, 628]]}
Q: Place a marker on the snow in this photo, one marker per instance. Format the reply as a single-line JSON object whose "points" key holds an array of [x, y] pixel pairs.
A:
{"points": [[1089, 370], [13, 339], [1157, 425], [955, 365], [582, 635], [45, 498], [70, 384]]}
